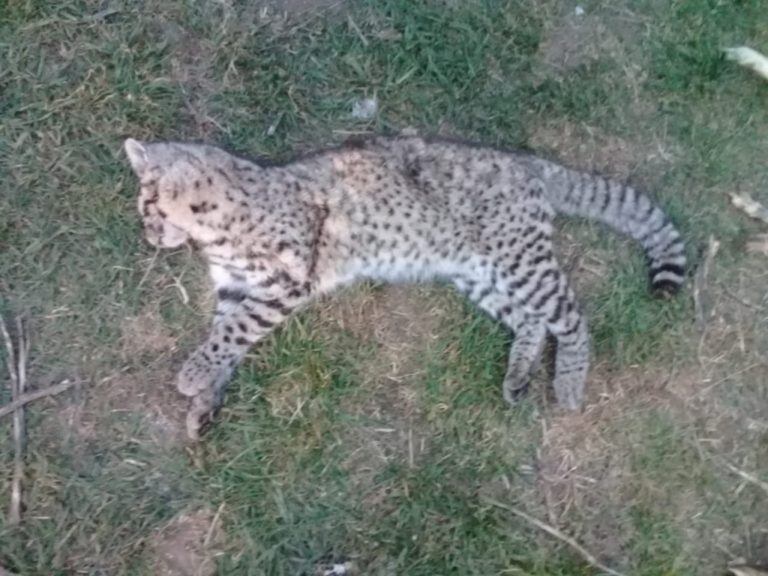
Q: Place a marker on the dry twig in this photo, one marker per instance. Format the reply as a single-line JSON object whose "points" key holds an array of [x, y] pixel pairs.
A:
{"points": [[150, 266], [740, 300], [751, 478], [552, 531], [700, 282], [36, 395], [17, 369], [212, 528], [747, 570], [17, 357]]}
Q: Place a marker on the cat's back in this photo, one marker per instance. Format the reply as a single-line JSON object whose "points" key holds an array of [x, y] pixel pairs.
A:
{"points": [[375, 173], [416, 182]]}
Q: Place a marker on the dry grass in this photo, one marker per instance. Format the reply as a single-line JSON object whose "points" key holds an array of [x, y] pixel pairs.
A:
{"points": [[185, 545], [594, 463], [401, 325]]}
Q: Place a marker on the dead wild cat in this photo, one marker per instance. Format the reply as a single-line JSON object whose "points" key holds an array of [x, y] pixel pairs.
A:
{"points": [[394, 209]]}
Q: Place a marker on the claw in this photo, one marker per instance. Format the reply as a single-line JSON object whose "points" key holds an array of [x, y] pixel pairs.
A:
{"points": [[202, 411]]}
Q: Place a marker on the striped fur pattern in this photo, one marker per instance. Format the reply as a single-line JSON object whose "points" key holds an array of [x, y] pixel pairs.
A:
{"points": [[390, 209]]}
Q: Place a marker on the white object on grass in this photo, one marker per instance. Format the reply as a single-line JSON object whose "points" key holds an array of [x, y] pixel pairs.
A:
{"points": [[749, 206], [339, 570], [749, 58], [365, 108]]}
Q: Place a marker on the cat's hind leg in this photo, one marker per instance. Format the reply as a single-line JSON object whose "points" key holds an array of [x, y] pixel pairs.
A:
{"points": [[529, 331]]}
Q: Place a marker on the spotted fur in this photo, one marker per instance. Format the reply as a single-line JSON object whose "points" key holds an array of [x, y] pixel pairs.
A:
{"points": [[391, 209]]}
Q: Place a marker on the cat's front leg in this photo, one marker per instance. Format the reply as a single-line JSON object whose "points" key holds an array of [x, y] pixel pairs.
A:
{"points": [[242, 319]]}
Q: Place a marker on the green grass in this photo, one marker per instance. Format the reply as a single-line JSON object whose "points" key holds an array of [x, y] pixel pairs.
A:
{"points": [[298, 457]]}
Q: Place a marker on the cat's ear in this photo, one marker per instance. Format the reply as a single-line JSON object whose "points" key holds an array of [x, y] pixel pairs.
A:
{"points": [[137, 155]]}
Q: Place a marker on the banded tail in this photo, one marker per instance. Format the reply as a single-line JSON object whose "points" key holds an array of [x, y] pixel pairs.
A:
{"points": [[626, 210]]}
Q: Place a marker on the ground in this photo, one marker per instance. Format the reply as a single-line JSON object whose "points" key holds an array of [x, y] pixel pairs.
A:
{"points": [[371, 428]]}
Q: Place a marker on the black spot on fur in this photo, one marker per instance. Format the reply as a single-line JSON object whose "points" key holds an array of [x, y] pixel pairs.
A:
{"points": [[263, 322], [231, 295]]}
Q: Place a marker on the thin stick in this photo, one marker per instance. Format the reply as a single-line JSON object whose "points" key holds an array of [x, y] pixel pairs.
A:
{"points": [[18, 373], [741, 300], [700, 285], [354, 26], [14, 511], [552, 531], [19, 424], [747, 570], [25, 399], [150, 266], [212, 528], [747, 476], [11, 354]]}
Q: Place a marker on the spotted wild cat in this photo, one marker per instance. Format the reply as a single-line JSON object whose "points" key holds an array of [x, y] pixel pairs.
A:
{"points": [[394, 209]]}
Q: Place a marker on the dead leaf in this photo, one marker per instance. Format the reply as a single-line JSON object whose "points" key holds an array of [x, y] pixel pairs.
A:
{"points": [[749, 206], [746, 570], [758, 244]]}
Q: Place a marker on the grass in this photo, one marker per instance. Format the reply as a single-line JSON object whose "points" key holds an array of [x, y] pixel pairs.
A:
{"points": [[372, 427]]}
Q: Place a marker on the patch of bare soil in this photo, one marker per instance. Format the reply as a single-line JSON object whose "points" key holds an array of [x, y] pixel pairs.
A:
{"points": [[575, 41], [585, 148], [186, 545], [146, 333], [584, 471], [608, 34], [145, 409], [402, 324], [192, 61], [193, 56], [402, 321], [580, 37], [146, 387], [587, 464], [155, 400], [143, 389]]}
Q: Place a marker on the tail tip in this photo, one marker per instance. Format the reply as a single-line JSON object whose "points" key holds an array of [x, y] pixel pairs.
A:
{"points": [[665, 288], [667, 277]]}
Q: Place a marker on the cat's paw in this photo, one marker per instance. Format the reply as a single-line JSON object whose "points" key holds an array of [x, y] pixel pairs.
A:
{"points": [[198, 375], [514, 390], [204, 382], [202, 410]]}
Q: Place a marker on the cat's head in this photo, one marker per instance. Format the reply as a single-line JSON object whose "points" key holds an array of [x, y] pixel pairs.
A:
{"points": [[182, 192]]}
